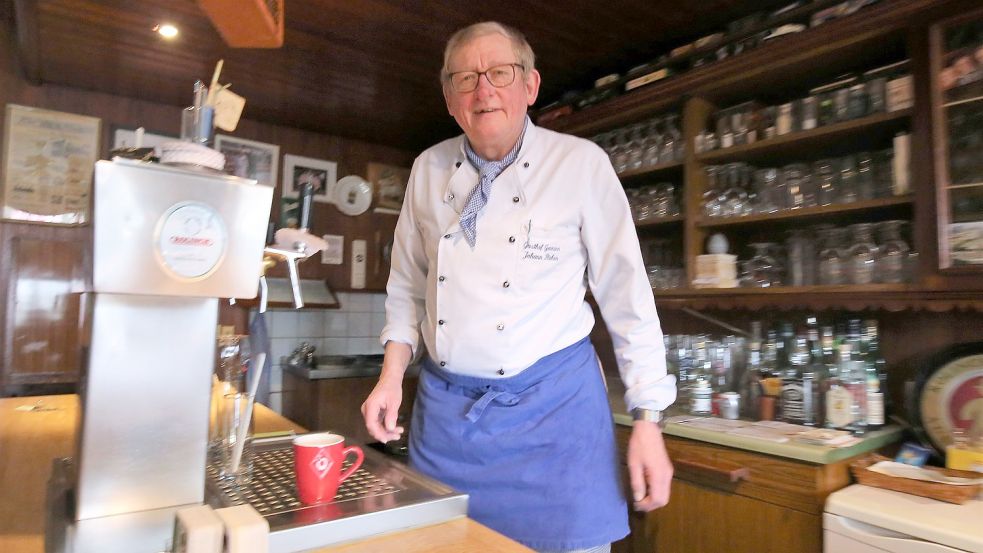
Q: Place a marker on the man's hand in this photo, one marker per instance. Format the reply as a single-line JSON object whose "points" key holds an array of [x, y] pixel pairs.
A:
{"points": [[382, 406], [649, 467], [381, 409]]}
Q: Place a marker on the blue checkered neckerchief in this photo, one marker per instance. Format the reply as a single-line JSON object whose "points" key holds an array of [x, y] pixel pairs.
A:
{"points": [[488, 171]]}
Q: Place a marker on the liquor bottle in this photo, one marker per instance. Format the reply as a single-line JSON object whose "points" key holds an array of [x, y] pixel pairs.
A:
{"points": [[817, 367], [799, 387], [875, 375], [846, 399], [750, 387]]}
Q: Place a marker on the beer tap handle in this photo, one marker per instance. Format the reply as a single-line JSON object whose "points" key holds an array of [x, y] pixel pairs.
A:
{"points": [[306, 199], [295, 282], [264, 294]]}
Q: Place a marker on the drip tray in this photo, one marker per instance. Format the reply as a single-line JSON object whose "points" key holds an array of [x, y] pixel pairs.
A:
{"points": [[382, 496]]}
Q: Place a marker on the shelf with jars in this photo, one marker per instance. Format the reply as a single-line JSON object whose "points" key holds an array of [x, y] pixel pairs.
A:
{"points": [[956, 66], [825, 166]]}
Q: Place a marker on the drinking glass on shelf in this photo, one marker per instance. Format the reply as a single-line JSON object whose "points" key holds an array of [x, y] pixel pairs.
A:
{"points": [[884, 172], [734, 197], [620, 150], [801, 257], [652, 144], [761, 268], [672, 141], [832, 257], [848, 180], [866, 183], [766, 190], [636, 148], [863, 254], [893, 252], [711, 197]]}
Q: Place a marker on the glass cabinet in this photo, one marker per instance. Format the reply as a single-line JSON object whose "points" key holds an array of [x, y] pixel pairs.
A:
{"points": [[957, 95]]}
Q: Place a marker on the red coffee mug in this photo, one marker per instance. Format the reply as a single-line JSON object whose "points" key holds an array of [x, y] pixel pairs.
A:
{"points": [[317, 464]]}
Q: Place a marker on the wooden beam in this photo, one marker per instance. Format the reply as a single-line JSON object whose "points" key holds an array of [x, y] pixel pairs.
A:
{"points": [[28, 39]]}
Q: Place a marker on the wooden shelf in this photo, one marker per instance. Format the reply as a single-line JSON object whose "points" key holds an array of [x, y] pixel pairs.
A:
{"points": [[660, 221], [804, 144], [662, 168], [879, 204], [889, 297]]}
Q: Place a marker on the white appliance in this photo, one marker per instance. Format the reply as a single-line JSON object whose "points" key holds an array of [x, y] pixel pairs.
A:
{"points": [[863, 519]]}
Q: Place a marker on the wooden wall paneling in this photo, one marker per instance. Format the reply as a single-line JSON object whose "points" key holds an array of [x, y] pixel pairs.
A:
{"points": [[43, 270], [696, 115]]}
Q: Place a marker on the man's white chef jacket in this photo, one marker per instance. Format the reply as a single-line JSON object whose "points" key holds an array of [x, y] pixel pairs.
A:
{"points": [[557, 211]]}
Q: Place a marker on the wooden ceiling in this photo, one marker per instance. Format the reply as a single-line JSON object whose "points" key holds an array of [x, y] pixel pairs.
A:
{"points": [[364, 69]]}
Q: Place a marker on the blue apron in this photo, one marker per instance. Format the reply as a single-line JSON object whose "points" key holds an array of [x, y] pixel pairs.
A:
{"points": [[535, 452]]}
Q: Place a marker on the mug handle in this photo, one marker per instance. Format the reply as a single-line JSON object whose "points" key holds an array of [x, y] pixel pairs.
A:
{"points": [[359, 457]]}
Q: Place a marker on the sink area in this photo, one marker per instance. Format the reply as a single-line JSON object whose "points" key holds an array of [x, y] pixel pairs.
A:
{"points": [[342, 366], [382, 496]]}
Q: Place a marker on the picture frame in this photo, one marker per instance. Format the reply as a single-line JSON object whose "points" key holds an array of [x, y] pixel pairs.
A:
{"points": [[389, 184], [249, 158], [126, 138], [321, 173], [48, 165]]}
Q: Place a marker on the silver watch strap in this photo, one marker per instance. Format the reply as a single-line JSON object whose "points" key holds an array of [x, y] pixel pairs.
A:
{"points": [[650, 415]]}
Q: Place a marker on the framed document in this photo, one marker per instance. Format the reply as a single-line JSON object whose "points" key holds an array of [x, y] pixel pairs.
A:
{"points": [[249, 159], [389, 183], [48, 160], [320, 174]]}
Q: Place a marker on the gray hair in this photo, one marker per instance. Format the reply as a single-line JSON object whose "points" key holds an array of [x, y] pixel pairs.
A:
{"points": [[521, 48]]}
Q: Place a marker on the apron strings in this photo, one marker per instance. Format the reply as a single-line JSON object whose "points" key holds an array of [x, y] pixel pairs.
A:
{"points": [[500, 397]]}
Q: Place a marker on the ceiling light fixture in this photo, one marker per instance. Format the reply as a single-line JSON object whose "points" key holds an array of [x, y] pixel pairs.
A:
{"points": [[166, 30]]}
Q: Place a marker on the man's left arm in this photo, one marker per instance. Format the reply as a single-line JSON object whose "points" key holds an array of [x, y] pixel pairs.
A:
{"points": [[617, 279]]}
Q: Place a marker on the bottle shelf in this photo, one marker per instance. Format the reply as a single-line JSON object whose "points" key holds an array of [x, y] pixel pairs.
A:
{"points": [[821, 212], [867, 131]]}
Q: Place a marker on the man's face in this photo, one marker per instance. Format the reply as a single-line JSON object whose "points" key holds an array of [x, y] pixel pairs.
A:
{"points": [[491, 117]]}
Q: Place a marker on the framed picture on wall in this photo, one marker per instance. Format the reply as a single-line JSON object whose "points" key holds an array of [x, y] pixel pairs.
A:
{"points": [[389, 183], [298, 170], [249, 159], [48, 160]]}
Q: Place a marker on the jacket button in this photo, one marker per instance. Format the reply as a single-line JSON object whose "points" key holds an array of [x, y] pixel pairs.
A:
{"points": [[443, 363], [500, 326], [511, 239], [526, 165], [515, 199], [506, 284], [501, 371], [441, 278], [441, 322], [458, 164], [447, 236], [450, 196]]}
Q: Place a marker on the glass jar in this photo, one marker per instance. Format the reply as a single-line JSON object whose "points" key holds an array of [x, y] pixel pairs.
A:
{"points": [[711, 202], [866, 179], [809, 116], [827, 185], [783, 123], [863, 254], [856, 101], [832, 257], [767, 198], [876, 94], [800, 258], [762, 269], [799, 190], [893, 254], [848, 180]]}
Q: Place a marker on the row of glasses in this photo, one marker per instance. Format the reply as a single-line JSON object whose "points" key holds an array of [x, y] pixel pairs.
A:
{"points": [[653, 202], [739, 189], [646, 144], [861, 253], [694, 357]]}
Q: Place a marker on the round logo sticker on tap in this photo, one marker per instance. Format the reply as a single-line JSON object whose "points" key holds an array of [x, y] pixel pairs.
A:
{"points": [[191, 240]]}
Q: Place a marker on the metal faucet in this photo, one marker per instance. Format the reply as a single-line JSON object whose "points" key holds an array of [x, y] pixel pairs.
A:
{"points": [[291, 246]]}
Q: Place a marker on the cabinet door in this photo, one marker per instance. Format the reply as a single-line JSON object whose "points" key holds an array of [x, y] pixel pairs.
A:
{"points": [[706, 520], [957, 97], [43, 271]]}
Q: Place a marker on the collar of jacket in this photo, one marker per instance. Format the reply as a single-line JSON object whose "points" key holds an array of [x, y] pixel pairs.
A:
{"points": [[464, 177]]}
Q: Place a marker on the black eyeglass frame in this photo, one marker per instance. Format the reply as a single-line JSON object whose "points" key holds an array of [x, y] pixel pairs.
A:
{"points": [[450, 77]]}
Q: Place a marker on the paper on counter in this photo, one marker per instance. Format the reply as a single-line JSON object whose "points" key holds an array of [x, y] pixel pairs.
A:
{"points": [[902, 470]]}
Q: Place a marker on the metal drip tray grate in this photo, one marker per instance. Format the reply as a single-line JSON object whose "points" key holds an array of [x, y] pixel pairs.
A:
{"points": [[272, 490], [383, 495]]}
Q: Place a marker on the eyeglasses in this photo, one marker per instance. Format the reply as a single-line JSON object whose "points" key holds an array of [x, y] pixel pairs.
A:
{"points": [[499, 76]]}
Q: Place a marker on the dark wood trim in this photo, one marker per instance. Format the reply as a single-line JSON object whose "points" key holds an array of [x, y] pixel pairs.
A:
{"points": [[28, 39], [889, 297]]}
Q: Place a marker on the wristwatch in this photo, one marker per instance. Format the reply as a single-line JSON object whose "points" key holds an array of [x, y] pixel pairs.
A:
{"points": [[650, 415]]}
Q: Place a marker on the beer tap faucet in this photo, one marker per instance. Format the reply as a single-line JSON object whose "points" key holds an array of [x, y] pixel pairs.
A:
{"points": [[292, 246]]}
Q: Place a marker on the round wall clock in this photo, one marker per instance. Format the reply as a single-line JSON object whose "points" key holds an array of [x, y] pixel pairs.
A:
{"points": [[948, 395]]}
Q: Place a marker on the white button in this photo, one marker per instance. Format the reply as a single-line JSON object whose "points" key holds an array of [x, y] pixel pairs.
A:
{"points": [[500, 326]]}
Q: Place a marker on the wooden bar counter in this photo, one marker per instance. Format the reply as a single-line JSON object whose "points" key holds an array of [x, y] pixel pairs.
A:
{"points": [[36, 430]]}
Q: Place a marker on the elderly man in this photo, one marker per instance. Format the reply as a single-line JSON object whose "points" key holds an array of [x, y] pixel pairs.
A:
{"points": [[501, 231]]}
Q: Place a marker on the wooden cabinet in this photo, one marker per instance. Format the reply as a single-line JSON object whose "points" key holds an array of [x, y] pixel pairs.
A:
{"points": [[726, 499], [780, 72], [335, 403]]}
